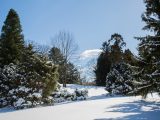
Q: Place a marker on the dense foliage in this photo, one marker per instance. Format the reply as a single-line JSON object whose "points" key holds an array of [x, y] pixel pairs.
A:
{"points": [[72, 74], [149, 50], [112, 54], [12, 40], [120, 79], [114, 67], [26, 78], [126, 73]]}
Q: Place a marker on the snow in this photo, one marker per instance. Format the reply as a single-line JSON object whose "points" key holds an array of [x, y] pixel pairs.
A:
{"points": [[19, 102], [92, 90], [38, 95], [97, 107], [22, 88]]}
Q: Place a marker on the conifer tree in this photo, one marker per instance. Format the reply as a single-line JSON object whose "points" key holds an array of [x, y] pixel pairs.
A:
{"points": [[41, 75], [102, 68], [128, 57], [149, 49], [112, 54], [72, 74], [116, 42], [12, 40], [56, 56], [120, 79], [26, 77]]}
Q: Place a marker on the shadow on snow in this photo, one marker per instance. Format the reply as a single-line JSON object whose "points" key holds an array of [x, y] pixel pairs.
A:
{"points": [[143, 111]]}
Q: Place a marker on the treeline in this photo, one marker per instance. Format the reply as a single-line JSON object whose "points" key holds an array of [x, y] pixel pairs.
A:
{"points": [[27, 77], [124, 73]]}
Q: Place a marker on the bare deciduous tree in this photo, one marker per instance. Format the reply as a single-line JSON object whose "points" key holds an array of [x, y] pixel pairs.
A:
{"points": [[39, 48], [42, 49], [65, 42]]}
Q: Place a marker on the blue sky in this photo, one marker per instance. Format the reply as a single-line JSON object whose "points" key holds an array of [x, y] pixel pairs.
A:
{"points": [[90, 21]]}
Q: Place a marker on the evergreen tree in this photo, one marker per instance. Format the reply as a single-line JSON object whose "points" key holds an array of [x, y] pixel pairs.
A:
{"points": [[12, 41], [102, 69], [26, 77], [128, 57], [72, 74], [56, 56], [112, 54], [149, 48], [116, 42], [103, 65], [41, 75], [28, 83], [120, 79]]}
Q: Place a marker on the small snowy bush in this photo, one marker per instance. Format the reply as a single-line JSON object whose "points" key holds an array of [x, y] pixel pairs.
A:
{"points": [[63, 95], [81, 94]]}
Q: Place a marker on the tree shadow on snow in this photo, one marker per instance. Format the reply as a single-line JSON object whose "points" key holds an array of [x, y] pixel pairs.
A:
{"points": [[143, 111], [7, 109]]}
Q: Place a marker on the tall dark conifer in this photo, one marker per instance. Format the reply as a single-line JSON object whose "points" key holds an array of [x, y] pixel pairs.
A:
{"points": [[149, 49], [103, 65], [12, 40], [112, 54], [116, 42]]}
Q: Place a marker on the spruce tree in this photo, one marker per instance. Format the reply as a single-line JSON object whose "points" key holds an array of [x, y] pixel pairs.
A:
{"points": [[12, 40], [120, 79], [149, 49]]}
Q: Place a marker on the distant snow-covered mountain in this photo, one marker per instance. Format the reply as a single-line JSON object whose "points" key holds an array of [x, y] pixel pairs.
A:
{"points": [[86, 63]]}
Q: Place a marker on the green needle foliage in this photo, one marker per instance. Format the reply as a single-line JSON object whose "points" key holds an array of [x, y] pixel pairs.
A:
{"points": [[12, 40]]}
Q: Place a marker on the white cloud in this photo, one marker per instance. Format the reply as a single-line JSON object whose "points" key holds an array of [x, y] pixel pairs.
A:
{"points": [[90, 53]]}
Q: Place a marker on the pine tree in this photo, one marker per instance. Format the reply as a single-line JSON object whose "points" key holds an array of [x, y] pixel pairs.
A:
{"points": [[12, 40], [149, 48]]}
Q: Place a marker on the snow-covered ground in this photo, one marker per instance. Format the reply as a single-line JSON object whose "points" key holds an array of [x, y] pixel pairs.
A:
{"points": [[97, 107]]}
